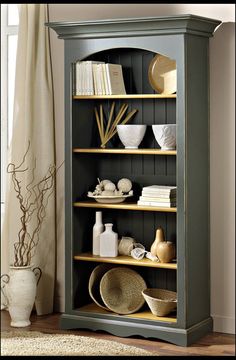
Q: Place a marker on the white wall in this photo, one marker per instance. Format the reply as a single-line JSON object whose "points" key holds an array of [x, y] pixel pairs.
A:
{"points": [[222, 142]]}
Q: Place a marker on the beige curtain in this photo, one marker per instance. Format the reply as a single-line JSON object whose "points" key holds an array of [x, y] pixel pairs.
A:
{"points": [[33, 120]]}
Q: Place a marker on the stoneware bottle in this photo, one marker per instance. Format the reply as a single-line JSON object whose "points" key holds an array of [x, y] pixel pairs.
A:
{"points": [[98, 228], [159, 238], [109, 242]]}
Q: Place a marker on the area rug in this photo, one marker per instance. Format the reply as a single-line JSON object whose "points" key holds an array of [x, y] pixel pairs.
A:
{"points": [[35, 343]]}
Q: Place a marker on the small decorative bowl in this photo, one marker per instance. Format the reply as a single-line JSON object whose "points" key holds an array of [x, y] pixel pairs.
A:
{"points": [[160, 301], [131, 135], [165, 136]]}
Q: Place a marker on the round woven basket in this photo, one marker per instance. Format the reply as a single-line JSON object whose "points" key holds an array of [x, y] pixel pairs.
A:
{"points": [[160, 301], [121, 290], [94, 284]]}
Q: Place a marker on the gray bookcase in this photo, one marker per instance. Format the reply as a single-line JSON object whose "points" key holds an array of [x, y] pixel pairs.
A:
{"points": [[133, 43]]}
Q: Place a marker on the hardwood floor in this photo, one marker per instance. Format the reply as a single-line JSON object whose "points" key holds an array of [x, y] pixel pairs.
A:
{"points": [[214, 344]]}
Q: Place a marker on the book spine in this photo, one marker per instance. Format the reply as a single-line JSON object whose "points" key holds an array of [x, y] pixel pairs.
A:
{"points": [[99, 80], [74, 78], [95, 79], [158, 204], [158, 195], [108, 79], [161, 199], [104, 73], [78, 78]]}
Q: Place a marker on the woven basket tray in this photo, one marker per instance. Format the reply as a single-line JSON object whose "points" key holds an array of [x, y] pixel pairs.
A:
{"points": [[121, 290], [160, 301], [94, 284]]}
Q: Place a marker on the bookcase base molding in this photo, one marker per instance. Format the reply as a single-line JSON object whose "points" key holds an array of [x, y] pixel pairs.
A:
{"points": [[134, 43], [125, 328]]}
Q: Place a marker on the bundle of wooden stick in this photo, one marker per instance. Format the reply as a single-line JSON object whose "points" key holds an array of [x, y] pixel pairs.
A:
{"points": [[107, 133]]}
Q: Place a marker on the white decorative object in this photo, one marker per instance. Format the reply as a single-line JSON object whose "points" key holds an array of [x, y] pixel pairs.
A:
{"points": [[110, 186], [19, 290], [115, 199], [109, 242], [131, 135], [165, 135], [138, 253], [104, 182], [124, 185], [150, 256], [98, 228], [106, 191]]}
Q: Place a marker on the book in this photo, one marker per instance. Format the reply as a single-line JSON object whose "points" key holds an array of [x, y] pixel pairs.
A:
{"points": [[159, 199], [78, 86], [155, 203], [104, 73], [159, 195], [160, 188], [86, 82], [115, 79]]}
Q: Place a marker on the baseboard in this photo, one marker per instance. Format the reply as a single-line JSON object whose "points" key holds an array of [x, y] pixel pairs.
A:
{"points": [[223, 324]]}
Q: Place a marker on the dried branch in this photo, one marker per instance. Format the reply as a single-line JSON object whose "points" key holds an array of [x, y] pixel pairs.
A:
{"points": [[33, 200]]}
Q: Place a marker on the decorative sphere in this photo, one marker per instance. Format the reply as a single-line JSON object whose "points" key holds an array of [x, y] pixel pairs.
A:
{"points": [[109, 186], [104, 182], [124, 185]]}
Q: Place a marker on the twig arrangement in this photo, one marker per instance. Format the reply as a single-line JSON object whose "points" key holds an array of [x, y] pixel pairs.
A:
{"points": [[33, 202], [107, 133]]}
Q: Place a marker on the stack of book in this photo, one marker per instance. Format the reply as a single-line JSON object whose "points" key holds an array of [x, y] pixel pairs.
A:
{"points": [[158, 195], [98, 78]]}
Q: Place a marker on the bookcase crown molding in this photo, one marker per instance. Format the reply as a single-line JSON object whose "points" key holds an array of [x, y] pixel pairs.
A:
{"points": [[127, 27]]}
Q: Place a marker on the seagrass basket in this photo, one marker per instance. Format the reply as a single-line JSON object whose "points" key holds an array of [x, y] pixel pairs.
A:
{"points": [[121, 290], [94, 284], [160, 301]]}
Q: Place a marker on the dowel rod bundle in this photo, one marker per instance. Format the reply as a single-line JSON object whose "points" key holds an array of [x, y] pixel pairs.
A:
{"points": [[108, 131]]}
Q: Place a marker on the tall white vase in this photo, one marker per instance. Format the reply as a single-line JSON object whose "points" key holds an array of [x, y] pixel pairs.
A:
{"points": [[19, 289], [97, 230]]}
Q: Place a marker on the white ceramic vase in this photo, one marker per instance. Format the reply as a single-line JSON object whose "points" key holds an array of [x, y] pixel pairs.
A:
{"points": [[109, 242], [19, 290], [98, 228]]}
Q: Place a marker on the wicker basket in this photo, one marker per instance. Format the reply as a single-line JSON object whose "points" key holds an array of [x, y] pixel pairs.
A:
{"points": [[121, 290], [94, 284], [160, 301]]}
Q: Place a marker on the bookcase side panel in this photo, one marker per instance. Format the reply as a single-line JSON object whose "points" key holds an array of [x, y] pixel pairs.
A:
{"points": [[197, 180]]}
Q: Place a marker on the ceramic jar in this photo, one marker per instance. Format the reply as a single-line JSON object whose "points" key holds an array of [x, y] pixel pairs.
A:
{"points": [[98, 228], [109, 242], [19, 290]]}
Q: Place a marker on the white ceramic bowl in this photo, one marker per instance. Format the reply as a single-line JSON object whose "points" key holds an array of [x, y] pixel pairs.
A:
{"points": [[131, 135], [165, 136]]}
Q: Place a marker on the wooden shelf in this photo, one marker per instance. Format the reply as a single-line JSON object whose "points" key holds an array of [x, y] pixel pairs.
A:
{"points": [[144, 313], [126, 96], [125, 260], [123, 206], [124, 151]]}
